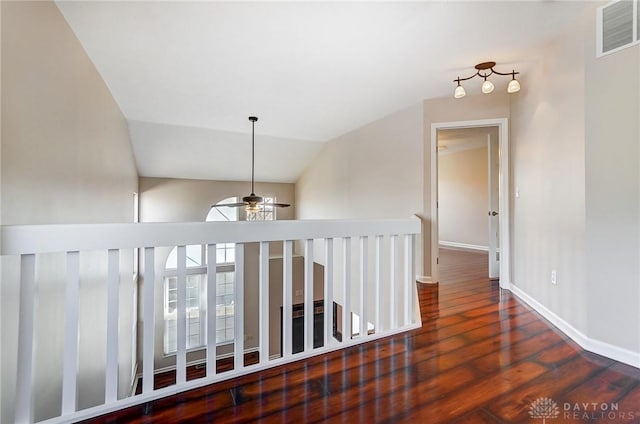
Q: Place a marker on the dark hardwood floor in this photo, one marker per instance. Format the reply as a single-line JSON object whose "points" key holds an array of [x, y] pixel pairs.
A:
{"points": [[481, 356]]}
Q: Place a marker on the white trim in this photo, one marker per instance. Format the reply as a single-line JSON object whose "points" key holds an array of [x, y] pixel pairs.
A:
{"points": [[27, 239], [505, 220], [596, 346], [425, 279], [464, 245]]}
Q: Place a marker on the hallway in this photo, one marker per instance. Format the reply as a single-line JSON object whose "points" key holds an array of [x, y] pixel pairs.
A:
{"points": [[481, 356]]}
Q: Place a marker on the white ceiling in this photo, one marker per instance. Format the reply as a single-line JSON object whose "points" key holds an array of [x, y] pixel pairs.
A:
{"points": [[188, 74]]}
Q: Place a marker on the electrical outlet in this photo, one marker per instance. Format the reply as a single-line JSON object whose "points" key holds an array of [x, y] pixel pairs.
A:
{"points": [[554, 277], [299, 292]]}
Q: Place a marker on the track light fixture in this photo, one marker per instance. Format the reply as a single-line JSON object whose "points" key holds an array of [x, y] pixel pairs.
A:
{"points": [[485, 70]]}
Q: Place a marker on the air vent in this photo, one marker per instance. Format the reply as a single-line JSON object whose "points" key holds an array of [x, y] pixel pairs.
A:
{"points": [[618, 26]]}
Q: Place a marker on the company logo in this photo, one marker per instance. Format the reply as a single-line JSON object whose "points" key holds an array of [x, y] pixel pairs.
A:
{"points": [[545, 408]]}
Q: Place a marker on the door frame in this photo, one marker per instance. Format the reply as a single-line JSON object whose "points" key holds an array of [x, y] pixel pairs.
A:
{"points": [[504, 190]]}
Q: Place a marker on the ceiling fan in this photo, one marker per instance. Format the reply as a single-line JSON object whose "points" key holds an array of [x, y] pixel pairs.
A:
{"points": [[252, 202]]}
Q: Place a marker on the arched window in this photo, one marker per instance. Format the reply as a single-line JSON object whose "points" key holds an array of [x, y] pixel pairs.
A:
{"points": [[197, 288]]}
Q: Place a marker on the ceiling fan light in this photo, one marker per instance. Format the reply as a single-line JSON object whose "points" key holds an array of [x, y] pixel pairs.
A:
{"points": [[487, 87], [459, 92], [514, 86], [252, 208]]}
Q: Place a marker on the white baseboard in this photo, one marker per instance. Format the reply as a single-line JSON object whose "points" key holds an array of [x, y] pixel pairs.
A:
{"points": [[463, 246], [425, 279], [596, 346]]}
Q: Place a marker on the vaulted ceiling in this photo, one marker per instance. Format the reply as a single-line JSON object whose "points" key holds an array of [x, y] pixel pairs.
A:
{"points": [[188, 74]]}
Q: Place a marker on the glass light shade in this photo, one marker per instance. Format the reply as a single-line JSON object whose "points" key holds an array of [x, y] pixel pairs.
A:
{"points": [[252, 207], [459, 92], [487, 87], [514, 86]]}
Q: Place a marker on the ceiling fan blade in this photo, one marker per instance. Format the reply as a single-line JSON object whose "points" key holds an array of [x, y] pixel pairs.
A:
{"points": [[277, 205], [230, 205]]}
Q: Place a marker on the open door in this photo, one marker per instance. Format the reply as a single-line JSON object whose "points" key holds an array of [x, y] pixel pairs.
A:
{"points": [[494, 205]]}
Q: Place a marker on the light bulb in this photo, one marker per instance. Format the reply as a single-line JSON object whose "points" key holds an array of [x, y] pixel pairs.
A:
{"points": [[514, 86], [252, 207], [487, 87], [459, 92]]}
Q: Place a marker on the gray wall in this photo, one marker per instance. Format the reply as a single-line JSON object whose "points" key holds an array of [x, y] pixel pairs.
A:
{"points": [[575, 144], [463, 197], [66, 158], [372, 172], [548, 142], [612, 157]]}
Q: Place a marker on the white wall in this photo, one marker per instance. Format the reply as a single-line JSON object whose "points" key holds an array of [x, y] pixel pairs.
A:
{"points": [[463, 197], [612, 150], [547, 135], [371, 172], [575, 146], [66, 158]]}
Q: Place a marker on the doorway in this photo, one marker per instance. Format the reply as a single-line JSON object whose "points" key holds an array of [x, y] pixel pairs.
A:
{"points": [[468, 208], [472, 212]]}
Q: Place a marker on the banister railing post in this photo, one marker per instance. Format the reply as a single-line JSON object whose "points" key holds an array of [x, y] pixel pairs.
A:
{"points": [[239, 309], [378, 285], [346, 291], [308, 295], [408, 277], [393, 287], [211, 310], [148, 294], [364, 279], [181, 316], [328, 291], [287, 306], [71, 336], [264, 302], [113, 309], [26, 335]]}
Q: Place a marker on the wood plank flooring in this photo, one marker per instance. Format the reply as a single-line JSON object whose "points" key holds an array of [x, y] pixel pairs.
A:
{"points": [[481, 356]]}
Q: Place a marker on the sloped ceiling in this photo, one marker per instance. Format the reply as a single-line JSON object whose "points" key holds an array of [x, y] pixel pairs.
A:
{"points": [[188, 74]]}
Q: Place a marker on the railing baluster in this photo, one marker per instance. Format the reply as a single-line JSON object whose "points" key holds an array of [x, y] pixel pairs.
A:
{"points": [[26, 317], [308, 295], [408, 255], [211, 310], [148, 317], [378, 297], [264, 302], [181, 316], [287, 287], [70, 352], [346, 291], [328, 291], [113, 302], [364, 278], [393, 257], [238, 312]]}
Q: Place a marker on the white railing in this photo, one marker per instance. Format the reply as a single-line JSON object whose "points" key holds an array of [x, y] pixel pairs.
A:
{"points": [[382, 294]]}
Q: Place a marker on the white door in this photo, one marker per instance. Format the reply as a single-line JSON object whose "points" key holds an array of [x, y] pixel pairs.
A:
{"points": [[494, 205]]}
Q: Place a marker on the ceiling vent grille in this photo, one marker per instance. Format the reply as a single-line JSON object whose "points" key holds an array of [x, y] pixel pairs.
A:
{"points": [[618, 26]]}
